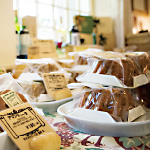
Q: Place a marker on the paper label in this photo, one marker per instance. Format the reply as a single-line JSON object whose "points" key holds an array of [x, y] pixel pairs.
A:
{"points": [[2, 71], [46, 46], [135, 113], [22, 123], [111, 80], [11, 98], [54, 82]]}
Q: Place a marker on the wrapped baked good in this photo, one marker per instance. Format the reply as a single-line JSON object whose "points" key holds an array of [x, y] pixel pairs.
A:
{"points": [[124, 69], [66, 63], [3, 105], [142, 95], [116, 101], [81, 60], [34, 89], [141, 59], [45, 65]]}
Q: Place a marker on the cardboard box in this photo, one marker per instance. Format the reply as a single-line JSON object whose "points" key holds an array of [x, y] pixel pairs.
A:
{"points": [[105, 25], [47, 48], [108, 40], [31, 25], [88, 38]]}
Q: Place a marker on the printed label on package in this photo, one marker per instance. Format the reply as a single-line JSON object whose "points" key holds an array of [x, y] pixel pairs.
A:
{"points": [[22, 123], [11, 98], [54, 82], [2, 71]]}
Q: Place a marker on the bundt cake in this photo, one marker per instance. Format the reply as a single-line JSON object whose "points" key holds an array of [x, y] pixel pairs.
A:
{"points": [[116, 101], [141, 60], [123, 69]]}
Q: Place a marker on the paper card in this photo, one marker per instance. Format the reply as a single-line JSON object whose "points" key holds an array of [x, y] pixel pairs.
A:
{"points": [[22, 123], [135, 113], [100, 79], [29, 77], [2, 71], [111, 80], [91, 115], [54, 82], [46, 46], [11, 98], [84, 84], [80, 68]]}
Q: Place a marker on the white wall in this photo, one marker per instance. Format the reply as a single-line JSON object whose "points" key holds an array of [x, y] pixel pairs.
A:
{"points": [[115, 10], [7, 34]]}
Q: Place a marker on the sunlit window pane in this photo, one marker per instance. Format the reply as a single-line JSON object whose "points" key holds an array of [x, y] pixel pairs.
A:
{"points": [[45, 15], [60, 3], [45, 33], [73, 4], [45, 1], [72, 13], [85, 5], [27, 8], [84, 14], [60, 17]]}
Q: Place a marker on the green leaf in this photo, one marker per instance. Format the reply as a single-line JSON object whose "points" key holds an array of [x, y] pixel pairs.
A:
{"points": [[128, 142]]}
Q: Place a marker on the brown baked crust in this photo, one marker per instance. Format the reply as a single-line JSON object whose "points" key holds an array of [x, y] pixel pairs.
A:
{"points": [[142, 95], [142, 61], [81, 60], [117, 102], [3, 105], [123, 69]]}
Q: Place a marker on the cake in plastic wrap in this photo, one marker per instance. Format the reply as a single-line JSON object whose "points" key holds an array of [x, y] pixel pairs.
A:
{"points": [[116, 101], [123, 69]]}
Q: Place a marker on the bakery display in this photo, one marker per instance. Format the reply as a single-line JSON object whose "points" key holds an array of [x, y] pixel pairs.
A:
{"points": [[3, 105], [124, 69], [45, 65], [116, 101], [46, 141]]}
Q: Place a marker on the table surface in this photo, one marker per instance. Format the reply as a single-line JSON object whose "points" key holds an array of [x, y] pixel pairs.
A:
{"points": [[75, 140]]}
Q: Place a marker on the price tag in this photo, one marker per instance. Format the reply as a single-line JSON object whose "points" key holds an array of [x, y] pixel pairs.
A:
{"points": [[22, 123], [11, 98], [2, 71], [54, 82]]}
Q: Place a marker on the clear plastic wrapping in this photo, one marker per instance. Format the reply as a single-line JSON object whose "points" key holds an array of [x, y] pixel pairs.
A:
{"points": [[44, 65], [81, 60], [142, 60], [142, 95], [122, 68], [7, 83], [34, 89], [116, 101]]}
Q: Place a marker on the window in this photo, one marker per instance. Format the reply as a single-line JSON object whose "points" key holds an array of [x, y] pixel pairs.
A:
{"points": [[54, 17]]}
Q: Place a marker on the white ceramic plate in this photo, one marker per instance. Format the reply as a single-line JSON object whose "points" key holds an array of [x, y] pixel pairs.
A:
{"points": [[118, 129], [6, 142], [49, 107]]}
